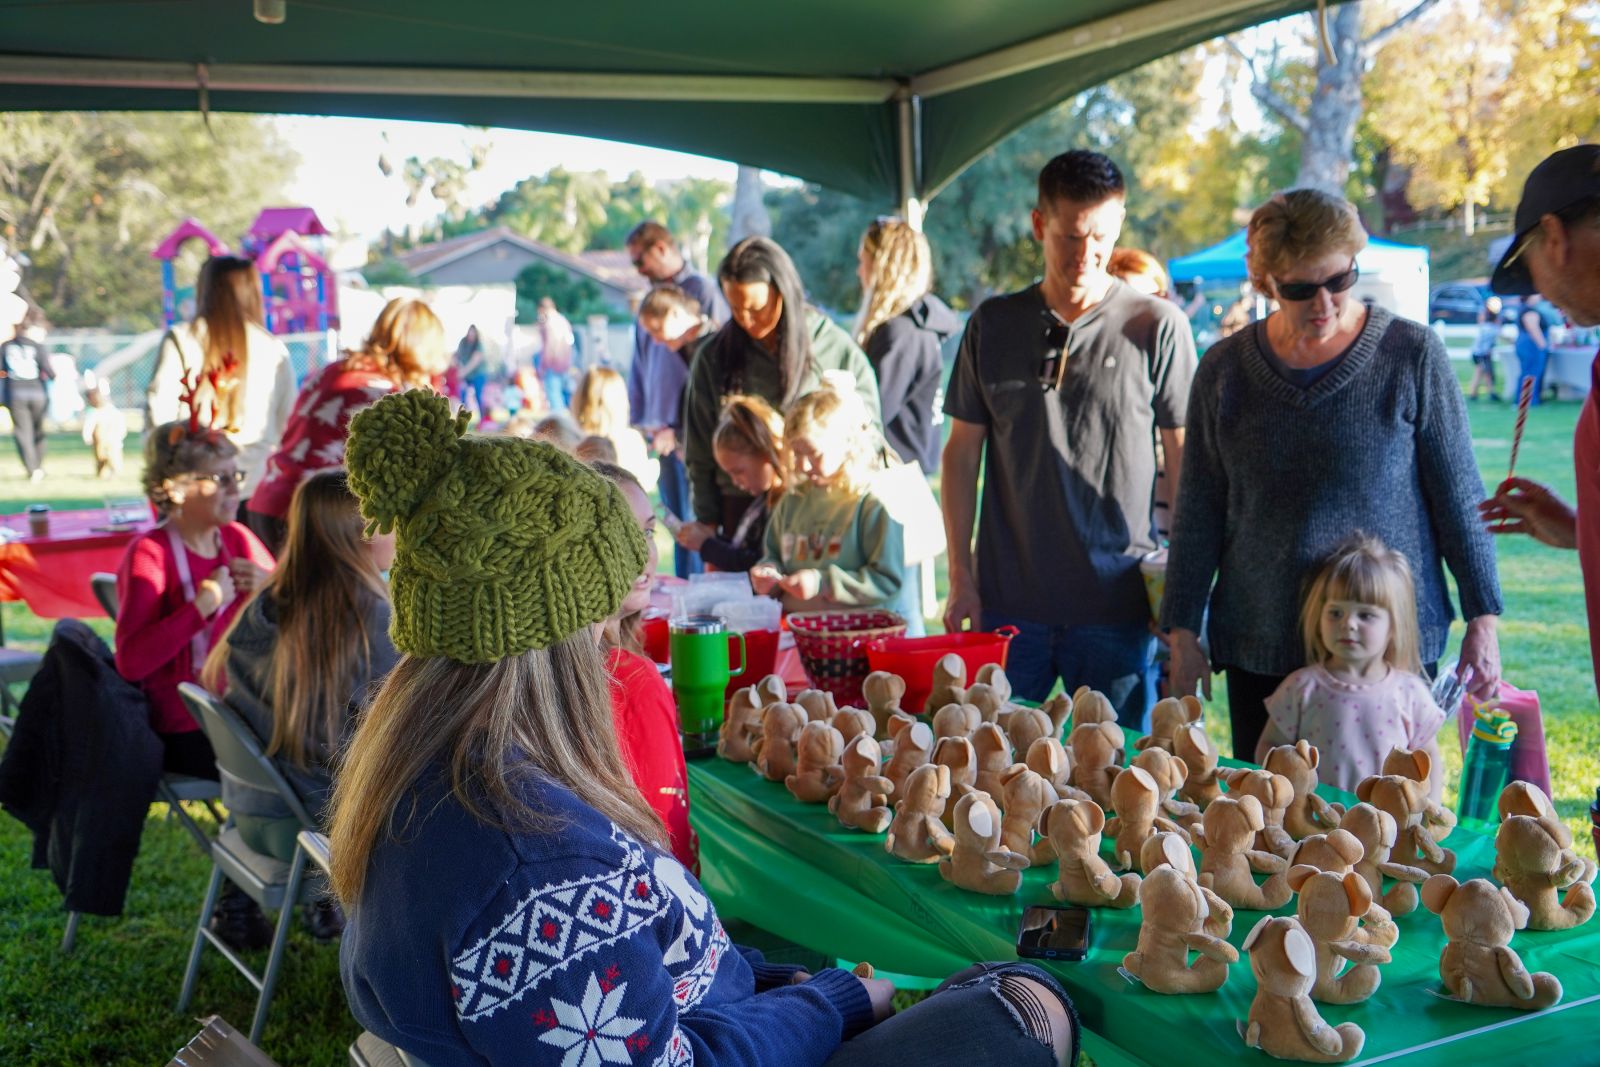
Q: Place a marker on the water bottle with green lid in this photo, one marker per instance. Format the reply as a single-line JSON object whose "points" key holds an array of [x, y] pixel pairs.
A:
{"points": [[1483, 774]]}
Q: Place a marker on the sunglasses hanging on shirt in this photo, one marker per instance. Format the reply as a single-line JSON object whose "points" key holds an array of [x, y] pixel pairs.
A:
{"points": [[1298, 291], [1053, 368]]}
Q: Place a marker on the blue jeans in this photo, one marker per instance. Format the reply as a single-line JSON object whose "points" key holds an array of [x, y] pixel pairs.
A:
{"points": [[1119, 661], [673, 485], [976, 1016], [555, 388]]}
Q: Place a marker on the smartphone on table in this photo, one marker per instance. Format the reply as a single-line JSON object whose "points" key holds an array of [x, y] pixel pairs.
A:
{"points": [[1054, 932]]}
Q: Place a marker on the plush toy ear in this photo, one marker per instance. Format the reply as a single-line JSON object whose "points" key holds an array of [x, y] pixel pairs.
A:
{"points": [[1300, 874], [1523, 798], [1011, 773], [1358, 892], [921, 735], [1142, 776], [1346, 845], [1180, 769], [1198, 738], [1390, 830], [1519, 910], [1437, 891], [1051, 757], [979, 819], [1365, 787], [1195, 710], [866, 747], [1424, 763], [1175, 852], [1112, 732], [1254, 817], [1299, 951], [1255, 932], [1094, 816], [943, 774], [897, 686], [1202, 909], [1308, 752]]}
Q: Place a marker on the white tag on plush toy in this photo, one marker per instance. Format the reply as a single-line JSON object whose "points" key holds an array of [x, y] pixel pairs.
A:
{"points": [[979, 819], [1132, 980], [1301, 953]]}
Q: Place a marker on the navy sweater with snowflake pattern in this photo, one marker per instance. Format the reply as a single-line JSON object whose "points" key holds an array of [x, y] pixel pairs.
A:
{"points": [[580, 947]]}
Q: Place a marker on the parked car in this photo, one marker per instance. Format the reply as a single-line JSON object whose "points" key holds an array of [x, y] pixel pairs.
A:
{"points": [[1456, 302]]}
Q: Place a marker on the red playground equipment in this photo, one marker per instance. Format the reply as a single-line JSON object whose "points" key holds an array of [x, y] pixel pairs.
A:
{"points": [[298, 289]]}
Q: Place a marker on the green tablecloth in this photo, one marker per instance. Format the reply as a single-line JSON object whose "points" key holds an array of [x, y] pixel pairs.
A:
{"points": [[792, 869]]}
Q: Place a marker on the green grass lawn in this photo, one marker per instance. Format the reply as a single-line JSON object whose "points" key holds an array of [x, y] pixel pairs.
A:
{"points": [[111, 1002]]}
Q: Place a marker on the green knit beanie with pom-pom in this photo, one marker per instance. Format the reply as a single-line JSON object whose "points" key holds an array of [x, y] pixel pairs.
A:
{"points": [[501, 544]]}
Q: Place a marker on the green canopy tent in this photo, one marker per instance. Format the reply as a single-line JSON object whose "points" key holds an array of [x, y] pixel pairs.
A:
{"points": [[886, 99]]}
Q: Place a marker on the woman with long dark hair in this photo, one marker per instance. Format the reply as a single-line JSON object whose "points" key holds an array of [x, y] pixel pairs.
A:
{"points": [[240, 375], [775, 346]]}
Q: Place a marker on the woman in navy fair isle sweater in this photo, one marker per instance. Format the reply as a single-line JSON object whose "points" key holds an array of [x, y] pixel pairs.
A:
{"points": [[510, 893]]}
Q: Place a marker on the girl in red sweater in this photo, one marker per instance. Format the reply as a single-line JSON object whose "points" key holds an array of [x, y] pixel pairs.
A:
{"points": [[180, 585], [645, 714]]}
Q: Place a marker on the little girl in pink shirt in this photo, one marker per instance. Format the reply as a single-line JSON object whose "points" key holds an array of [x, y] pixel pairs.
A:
{"points": [[1362, 695]]}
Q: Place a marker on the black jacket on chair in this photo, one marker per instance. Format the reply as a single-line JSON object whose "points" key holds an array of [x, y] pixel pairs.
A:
{"points": [[81, 770]]}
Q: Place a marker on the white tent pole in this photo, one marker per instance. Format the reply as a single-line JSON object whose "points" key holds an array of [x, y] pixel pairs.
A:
{"points": [[908, 151]]}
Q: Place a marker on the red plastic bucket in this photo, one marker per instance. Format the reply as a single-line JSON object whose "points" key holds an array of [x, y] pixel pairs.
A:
{"points": [[912, 658], [761, 658]]}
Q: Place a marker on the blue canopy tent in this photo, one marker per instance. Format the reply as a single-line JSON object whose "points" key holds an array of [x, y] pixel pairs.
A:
{"points": [[1393, 275]]}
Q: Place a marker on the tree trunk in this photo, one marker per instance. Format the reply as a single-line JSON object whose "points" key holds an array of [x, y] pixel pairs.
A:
{"points": [[750, 217], [1335, 106]]}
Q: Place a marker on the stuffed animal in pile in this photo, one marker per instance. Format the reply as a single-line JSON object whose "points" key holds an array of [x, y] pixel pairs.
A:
{"points": [[852, 721], [818, 771], [991, 693], [1478, 964], [1228, 833], [818, 703], [949, 683], [1167, 719], [742, 724], [917, 834], [1199, 755], [883, 692], [913, 747], [1024, 796], [774, 750], [1082, 877], [957, 754], [1049, 760], [1169, 773], [1406, 801], [1136, 799], [1330, 909], [992, 750], [1176, 911], [956, 720], [1418, 765], [1375, 830], [1274, 793], [1283, 1022], [1340, 852], [1307, 813], [978, 862], [1096, 759], [1534, 860], [862, 801]]}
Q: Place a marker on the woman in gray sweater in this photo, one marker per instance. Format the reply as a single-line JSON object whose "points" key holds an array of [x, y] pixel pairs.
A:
{"points": [[1325, 418]]}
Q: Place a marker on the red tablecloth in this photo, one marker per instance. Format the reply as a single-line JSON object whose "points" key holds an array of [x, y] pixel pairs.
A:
{"points": [[51, 574]]}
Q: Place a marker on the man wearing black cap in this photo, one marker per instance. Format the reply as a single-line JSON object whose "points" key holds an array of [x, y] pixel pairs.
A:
{"points": [[1556, 253]]}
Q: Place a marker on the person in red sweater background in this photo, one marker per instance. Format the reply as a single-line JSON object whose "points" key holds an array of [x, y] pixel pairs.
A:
{"points": [[180, 584], [645, 714], [405, 350]]}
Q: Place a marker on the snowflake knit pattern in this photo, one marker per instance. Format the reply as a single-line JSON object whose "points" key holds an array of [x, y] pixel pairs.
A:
{"points": [[501, 545]]}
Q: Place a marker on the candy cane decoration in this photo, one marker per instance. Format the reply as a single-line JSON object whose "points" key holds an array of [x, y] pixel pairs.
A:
{"points": [[1522, 419]]}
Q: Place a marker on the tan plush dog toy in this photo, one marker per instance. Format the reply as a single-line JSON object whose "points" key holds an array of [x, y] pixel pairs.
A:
{"points": [[1096, 758], [774, 750], [917, 835], [949, 683], [818, 772], [1283, 1021], [956, 720], [1229, 829], [1478, 964], [1191, 745], [913, 747], [883, 692], [1082, 877], [862, 801], [1406, 801], [1136, 799], [1176, 912], [992, 749], [1534, 859], [957, 754], [1307, 813], [742, 725], [1274, 793], [1330, 909], [1417, 764], [1376, 831], [1024, 796], [1167, 718], [978, 862]]}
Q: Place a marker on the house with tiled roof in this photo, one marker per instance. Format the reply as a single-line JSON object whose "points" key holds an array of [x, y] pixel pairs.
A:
{"points": [[496, 256]]}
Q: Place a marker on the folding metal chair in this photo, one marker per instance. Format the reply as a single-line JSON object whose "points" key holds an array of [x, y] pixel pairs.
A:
{"points": [[104, 585], [16, 667], [271, 883]]}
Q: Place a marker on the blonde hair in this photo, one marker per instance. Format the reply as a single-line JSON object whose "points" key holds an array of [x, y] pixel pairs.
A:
{"points": [[600, 403], [665, 299], [321, 587], [227, 303], [1296, 226], [496, 727], [1365, 570], [1134, 265], [406, 344], [595, 449], [749, 426], [902, 271], [832, 413]]}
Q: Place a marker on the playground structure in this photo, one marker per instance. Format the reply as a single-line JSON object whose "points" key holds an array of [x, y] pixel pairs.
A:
{"points": [[298, 290]]}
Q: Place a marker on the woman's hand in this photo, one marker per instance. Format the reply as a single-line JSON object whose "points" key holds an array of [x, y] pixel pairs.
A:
{"points": [[1523, 506], [1480, 650], [881, 992], [691, 535], [764, 578], [804, 585], [1189, 666], [664, 441], [248, 576], [216, 592]]}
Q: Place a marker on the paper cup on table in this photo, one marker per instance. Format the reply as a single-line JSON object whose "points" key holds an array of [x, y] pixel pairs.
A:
{"points": [[1153, 568]]}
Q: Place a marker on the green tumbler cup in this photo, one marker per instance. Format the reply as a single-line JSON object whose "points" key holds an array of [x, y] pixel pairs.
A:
{"points": [[700, 674]]}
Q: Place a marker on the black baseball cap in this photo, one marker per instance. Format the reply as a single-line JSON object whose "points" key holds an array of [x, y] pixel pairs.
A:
{"points": [[1565, 178]]}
